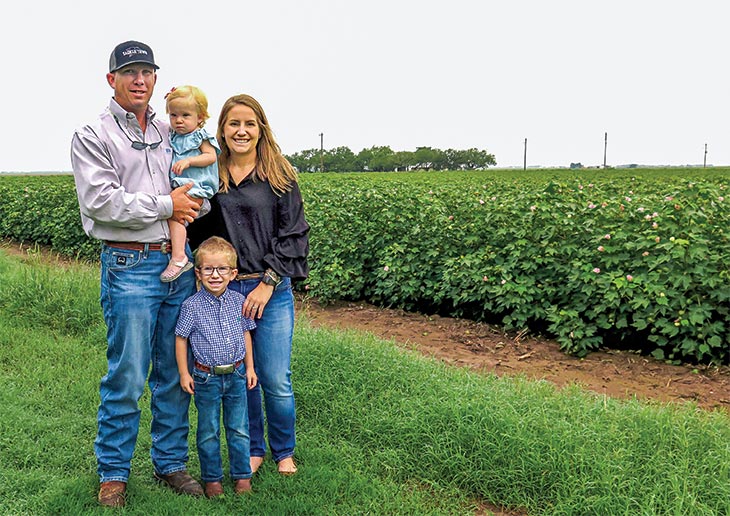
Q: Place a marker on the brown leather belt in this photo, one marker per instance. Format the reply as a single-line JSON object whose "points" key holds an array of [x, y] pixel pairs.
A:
{"points": [[164, 247], [253, 275], [219, 369]]}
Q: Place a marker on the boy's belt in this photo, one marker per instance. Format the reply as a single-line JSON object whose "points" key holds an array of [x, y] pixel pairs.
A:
{"points": [[219, 369]]}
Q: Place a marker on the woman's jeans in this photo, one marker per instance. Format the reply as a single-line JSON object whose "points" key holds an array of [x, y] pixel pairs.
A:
{"points": [[228, 390], [140, 313], [272, 346]]}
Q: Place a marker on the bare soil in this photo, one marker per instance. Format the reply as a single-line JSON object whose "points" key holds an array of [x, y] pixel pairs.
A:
{"points": [[484, 348]]}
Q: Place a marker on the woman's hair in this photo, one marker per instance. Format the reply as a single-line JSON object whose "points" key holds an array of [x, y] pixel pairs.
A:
{"points": [[195, 95], [271, 165], [216, 245]]}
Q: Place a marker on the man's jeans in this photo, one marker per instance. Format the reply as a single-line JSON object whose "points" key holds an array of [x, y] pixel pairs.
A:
{"points": [[272, 346], [140, 313], [228, 390]]}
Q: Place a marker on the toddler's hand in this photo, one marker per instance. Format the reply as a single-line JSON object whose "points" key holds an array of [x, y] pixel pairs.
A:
{"points": [[179, 166]]}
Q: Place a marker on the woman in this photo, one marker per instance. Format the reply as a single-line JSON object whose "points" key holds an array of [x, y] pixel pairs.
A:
{"points": [[259, 210]]}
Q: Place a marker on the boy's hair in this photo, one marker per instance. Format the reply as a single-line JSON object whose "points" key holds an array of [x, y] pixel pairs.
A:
{"points": [[193, 93], [216, 245]]}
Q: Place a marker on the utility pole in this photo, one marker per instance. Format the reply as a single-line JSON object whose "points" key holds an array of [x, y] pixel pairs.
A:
{"points": [[321, 152], [605, 146], [524, 163], [704, 163]]}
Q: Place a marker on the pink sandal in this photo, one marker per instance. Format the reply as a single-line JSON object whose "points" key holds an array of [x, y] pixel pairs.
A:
{"points": [[174, 270]]}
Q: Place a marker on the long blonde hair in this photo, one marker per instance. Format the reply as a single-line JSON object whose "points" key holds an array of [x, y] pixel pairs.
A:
{"points": [[271, 165]]}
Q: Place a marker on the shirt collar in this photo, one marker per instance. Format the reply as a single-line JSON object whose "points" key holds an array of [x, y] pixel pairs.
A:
{"points": [[210, 297], [124, 115]]}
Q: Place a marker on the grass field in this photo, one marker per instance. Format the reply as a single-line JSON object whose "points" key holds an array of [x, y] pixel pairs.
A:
{"points": [[380, 431]]}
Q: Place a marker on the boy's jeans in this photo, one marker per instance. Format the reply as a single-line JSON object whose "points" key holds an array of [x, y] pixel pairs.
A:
{"points": [[272, 346], [140, 313], [228, 390]]}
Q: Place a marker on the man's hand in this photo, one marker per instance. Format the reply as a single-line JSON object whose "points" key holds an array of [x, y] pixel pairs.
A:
{"points": [[184, 207]]}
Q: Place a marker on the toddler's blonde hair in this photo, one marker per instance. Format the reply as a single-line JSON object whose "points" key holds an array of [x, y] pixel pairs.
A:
{"points": [[193, 93]]}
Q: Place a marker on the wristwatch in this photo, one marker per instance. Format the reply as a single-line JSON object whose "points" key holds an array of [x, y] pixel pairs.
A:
{"points": [[271, 278]]}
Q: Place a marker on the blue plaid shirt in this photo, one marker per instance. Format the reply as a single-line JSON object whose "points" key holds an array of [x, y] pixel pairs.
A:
{"points": [[215, 326]]}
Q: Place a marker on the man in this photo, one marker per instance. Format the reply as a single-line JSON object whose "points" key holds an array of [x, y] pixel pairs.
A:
{"points": [[121, 165]]}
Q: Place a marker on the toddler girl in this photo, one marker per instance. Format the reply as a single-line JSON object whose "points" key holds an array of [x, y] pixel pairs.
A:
{"points": [[195, 159]]}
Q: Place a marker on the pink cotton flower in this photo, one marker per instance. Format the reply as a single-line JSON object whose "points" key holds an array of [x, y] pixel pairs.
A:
{"points": [[607, 236], [386, 268], [591, 206], [601, 248], [481, 201], [597, 270], [629, 277]]}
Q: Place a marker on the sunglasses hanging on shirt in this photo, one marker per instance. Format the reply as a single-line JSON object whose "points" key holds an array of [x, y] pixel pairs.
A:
{"points": [[137, 145]]}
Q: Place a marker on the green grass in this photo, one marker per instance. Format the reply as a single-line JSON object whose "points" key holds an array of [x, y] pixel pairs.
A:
{"points": [[380, 431]]}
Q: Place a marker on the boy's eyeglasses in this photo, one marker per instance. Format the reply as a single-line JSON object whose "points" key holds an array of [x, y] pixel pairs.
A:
{"points": [[208, 271], [137, 145]]}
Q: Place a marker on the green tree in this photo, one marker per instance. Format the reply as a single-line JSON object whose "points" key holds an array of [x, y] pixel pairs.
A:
{"points": [[340, 159], [376, 159]]}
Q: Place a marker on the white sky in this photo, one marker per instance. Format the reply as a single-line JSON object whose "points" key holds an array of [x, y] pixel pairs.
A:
{"points": [[653, 74]]}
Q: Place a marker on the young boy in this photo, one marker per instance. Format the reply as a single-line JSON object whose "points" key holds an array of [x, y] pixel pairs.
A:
{"points": [[219, 335]]}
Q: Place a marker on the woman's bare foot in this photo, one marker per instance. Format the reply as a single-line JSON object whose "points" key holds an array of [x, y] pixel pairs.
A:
{"points": [[287, 466], [256, 463]]}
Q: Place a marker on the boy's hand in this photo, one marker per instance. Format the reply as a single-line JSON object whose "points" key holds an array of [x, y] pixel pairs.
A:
{"points": [[251, 378], [187, 383], [181, 165]]}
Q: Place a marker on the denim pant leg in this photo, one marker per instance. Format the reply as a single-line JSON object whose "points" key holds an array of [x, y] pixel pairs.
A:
{"points": [[272, 346], [169, 403], [131, 298], [235, 421], [208, 395]]}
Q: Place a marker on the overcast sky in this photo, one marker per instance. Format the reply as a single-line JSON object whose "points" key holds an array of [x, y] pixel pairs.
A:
{"points": [[404, 73]]}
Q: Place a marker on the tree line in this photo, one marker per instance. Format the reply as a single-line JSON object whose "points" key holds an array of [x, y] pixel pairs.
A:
{"points": [[384, 159]]}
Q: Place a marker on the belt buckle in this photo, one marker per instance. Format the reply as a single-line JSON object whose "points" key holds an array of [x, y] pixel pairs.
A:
{"points": [[164, 248], [224, 369]]}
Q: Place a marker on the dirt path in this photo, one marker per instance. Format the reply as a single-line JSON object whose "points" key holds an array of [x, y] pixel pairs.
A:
{"points": [[484, 348]]}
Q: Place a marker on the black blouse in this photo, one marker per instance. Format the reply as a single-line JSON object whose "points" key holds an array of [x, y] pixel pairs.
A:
{"points": [[267, 230]]}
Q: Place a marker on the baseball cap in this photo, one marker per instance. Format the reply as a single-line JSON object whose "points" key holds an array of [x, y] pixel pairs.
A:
{"points": [[130, 52]]}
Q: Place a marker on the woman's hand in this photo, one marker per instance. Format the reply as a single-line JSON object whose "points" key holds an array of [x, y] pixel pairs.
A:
{"points": [[255, 302]]}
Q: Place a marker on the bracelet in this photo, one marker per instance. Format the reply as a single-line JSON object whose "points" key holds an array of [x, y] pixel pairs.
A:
{"points": [[271, 278]]}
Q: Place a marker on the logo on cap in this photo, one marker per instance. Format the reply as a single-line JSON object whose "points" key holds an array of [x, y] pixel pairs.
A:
{"points": [[134, 50]]}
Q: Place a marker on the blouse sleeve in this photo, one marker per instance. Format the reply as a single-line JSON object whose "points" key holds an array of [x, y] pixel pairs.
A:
{"points": [[290, 245]]}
